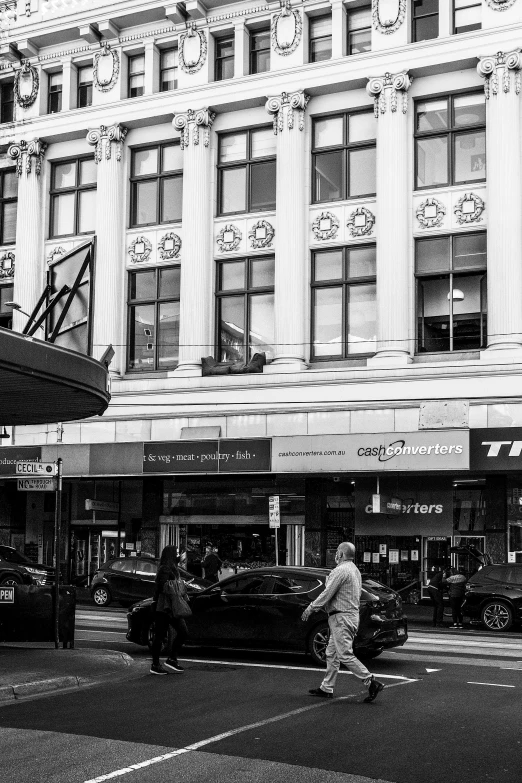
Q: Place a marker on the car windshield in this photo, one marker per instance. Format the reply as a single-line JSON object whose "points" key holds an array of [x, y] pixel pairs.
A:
{"points": [[12, 556]]}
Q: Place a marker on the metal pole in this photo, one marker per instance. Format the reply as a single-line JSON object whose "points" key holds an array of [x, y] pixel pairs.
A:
{"points": [[276, 547], [57, 530]]}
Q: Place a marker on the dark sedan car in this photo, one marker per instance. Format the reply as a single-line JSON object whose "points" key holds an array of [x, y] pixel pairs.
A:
{"points": [[16, 569], [261, 609], [494, 596]]}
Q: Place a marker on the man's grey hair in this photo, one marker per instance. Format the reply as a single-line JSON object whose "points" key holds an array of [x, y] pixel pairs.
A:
{"points": [[348, 550]]}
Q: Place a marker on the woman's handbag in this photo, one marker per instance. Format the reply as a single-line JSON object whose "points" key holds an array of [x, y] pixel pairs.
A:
{"points": [[174, 595]]}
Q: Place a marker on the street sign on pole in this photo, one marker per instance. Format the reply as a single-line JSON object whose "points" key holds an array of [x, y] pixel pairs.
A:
{"points": [[47, 484], [36, 469], [274, 516]]}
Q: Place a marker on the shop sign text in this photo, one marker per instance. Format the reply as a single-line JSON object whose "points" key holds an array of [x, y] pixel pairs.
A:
{"points": [[207, 456], [496, 449]]}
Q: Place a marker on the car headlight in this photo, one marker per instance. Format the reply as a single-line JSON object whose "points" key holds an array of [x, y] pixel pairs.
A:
{"points": [[36, 571]]}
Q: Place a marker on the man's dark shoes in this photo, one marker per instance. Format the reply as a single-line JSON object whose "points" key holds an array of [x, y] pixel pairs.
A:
{"points": [[319, 692], [173, 665], [157, 668], [373, 691]]}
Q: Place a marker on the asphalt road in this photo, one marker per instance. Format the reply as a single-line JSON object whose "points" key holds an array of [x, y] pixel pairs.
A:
{"points": [[451, 711]]}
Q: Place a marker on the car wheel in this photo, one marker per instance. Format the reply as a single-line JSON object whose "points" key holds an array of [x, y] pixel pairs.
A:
{"points": [[318, 642], [101, 596], [496, 616], [167, 642], [10, 580]]}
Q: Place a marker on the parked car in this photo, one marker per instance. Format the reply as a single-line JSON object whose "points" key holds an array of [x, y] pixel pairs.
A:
{"points": [[130, 579], [261, 609], [494, 596], [16, 569]]}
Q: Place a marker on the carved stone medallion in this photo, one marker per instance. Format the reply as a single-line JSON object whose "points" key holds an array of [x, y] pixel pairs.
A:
{"points": [[261, 234], [361, 222], [229, 238], [106, 68], [388, 15], [192, 49], [26, 84], [286, 30], [55, 254], [140, 250], [469, 209], [325, 226], [430, 213], [169, 246], [7, 265], [500, 5]]}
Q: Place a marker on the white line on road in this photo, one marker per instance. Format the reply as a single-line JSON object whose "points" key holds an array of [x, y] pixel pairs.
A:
{"points": [[280, 666], [493, 684]]}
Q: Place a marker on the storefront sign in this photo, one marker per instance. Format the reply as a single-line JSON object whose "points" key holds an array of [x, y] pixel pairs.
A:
{"points": [[101, 505], [496, 449], [383, 504], [36, 485], [10, 455], [394, 451], [207, 456]]}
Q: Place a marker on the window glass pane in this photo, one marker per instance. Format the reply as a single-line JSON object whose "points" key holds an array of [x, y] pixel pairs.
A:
{"points": [[55, 81], [88, 171], [470, 109], [87, 206], [328, 265], [65, 175], [172, 197], [142, 337], [422, 7], [362, 262], [260, 40], [137, 86], [328, 132], [169, 58], [361, 318], [359, 18], [470, 156], [468, 19], [468, 313], [6, 295], [232, 276], [10, 185], [168, 334], [145, 161], [432, 255], [224, 69], [145, 202], [63, 214], [169, 282], [143, 285], [263, 143], [262, 272], [232, 329], [469, 250], [225, 47], [360, 42], [328, 322], [9, 222], [320, 50], [433, 307], [426, 28], [261, 61], [233, 146], [172, 158], [432, 162], [263, 186], [320, 26], [362, 127], [85, 75], [432, 115], [233, 190], [362, 172], [168, 79], [261, 337], [328, 176], [137, 64]]}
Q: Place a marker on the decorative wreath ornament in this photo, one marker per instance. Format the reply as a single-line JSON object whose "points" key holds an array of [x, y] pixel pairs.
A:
{"points": [[500, 5], [261, 234], [469, 209], [192, 49], [325, 226], [106, 68], [229, 238], [55, 254], [361, 222], [140, 250], [430, 213], [397, 15], [169, 246], [26, 84], [286, 30], [7, 265]]}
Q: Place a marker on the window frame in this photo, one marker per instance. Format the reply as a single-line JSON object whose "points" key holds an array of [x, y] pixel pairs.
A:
{"points": [[253, 53], [77, 190], [219, 59], [311, 40], [130, 76], [51, 93], [84, 85], [414, 18], [471, 4], [6, 200], [357, 29], [6, 316], [159, 176], [247, 164], [5, 85], [164, 68]]}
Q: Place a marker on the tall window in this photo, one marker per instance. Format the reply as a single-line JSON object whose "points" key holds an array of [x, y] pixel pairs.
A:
{"points": [[6, 101], [136, 86], [467, 15], [360, 30], [450, 144], [153, 305], [85, 79], [247, 171], [6, 312], [343, 302], [260, 50], [54, 97], [320, 38], [73, 197], [451, 292], [224, 63], [156, 185], [8, 205], [344, 156], [168, 70], [245, 308], [425, 20]]}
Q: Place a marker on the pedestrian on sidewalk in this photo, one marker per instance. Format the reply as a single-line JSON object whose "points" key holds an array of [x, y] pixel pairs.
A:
{"points": [[456, 582], [211, 564], [163, 617], [435, 592], [340, 599]]}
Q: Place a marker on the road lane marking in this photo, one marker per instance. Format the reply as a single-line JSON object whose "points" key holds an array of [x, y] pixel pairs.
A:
{"points": [[224, 735], [281, 666], [493, 684]]}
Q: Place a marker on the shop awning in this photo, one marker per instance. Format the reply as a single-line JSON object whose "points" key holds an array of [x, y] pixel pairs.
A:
{"points": [[41, 383]]}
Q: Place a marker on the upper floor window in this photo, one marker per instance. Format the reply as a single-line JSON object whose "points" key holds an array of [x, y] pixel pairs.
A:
{"points": [[6, 101], [450, 144], [425, 20], [6, 312], [136, 85], [451, 292], [360, 30], [168, 69], [245, 308], [153, 318], [85, 81], [344, 318], [156, 185], [320, 38], [73, 197], [8, 205], [344, 156], [224, 63], [467, 15], [54, 96], [260, 50], [247, 171]]}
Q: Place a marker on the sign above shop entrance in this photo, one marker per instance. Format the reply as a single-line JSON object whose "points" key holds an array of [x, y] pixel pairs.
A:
{"points": [[383, 504], [496, 449], [207, 456]]}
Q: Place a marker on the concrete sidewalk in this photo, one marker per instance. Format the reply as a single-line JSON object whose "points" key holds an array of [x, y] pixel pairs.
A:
{"points": [[36, 669]]}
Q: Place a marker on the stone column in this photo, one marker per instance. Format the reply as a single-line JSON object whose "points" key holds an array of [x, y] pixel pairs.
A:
{"points": [[29, 272], [195, 338], [288, 111], [390, 93], [108, 143], [504, 199]]}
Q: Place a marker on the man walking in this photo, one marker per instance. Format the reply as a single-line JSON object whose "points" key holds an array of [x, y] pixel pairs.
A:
{"points": [[341, 598]]}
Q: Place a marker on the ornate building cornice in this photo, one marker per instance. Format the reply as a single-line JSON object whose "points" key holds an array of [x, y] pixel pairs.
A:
{"points": [[107, 134], [502, 68], [384, 91], [189, 124], [292, 102], [33, 152]]}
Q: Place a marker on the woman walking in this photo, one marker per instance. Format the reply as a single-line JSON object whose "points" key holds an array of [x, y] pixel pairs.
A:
{"points": [[456, 583], [168, 579]]}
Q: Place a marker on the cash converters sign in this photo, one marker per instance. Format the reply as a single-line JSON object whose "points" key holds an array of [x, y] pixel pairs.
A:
{"points": [[395, 451]]}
